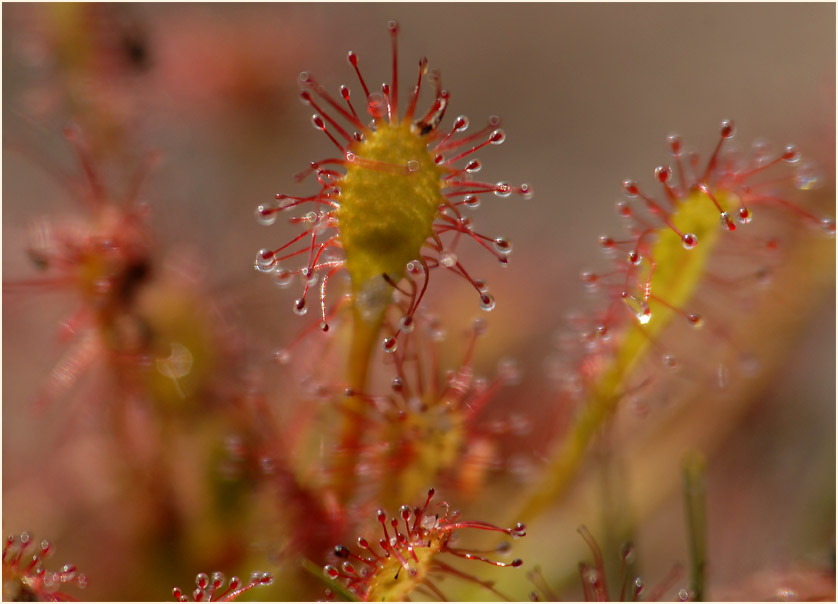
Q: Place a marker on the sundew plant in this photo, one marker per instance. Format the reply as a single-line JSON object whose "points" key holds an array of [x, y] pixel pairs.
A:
{"points": [[418, 302]]}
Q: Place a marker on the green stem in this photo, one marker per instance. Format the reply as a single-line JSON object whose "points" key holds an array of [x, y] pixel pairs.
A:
{"points": [[364, 338], [693, 468]]}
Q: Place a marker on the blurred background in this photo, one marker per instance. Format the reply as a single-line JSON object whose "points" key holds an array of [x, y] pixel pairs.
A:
{"points": [[587, 94]]}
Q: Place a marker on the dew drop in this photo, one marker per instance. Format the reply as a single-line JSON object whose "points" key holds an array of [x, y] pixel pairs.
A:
{"points": [[639, 307], [264, 262], [407, 324], [413, 166], [217, 579], [471, 201], [695, 320], [202, 580], [683, 594], [791, 154], [503, 189], [502, 246], [674, 144], [266, 213], [745, 215], [726, 222], [497, 137], [318, 122], [807, 176], [525, 191], [689, 241], [639, 586], [487, 301], [300, 307], [473, 166], [828, 225], [630, 188], [282, 277], [591, 280], [663, 173], [519, 530], [330, 571], [348, 568], [634, 258], [448, 259], [461, 124], [727, 129], [669, 362], [390, 345], [623, 209]]}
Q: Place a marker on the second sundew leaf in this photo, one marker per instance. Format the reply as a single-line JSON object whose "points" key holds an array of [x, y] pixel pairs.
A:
{"points": [[676, 275], [666, 262]]}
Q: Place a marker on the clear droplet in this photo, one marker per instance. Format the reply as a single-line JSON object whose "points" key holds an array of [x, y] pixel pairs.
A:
{"points": [[407, 324], [503, 189], [689, 241], [390, 345], [502, 246], [282, 277], [745, 216], [807, 176], [726, 222], [300, 307], [639, 307], [264, 261], [525, 191], [471, 201], [448, 259], [791, 154], [487, 301], [497, 137], [266, 213]]}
